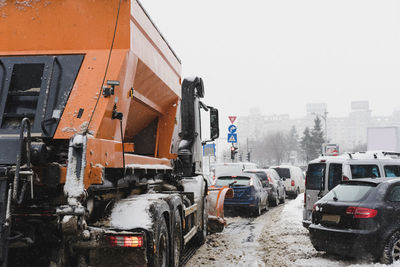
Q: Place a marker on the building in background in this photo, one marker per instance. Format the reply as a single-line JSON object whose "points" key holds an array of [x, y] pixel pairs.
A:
{"points": [[349, 132]]}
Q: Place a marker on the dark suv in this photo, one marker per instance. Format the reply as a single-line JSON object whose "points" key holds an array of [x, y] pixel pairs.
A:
{"points": [[359, 217]]}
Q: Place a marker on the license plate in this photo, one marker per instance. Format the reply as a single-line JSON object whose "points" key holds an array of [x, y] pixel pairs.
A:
{"points": [[331, 218]]}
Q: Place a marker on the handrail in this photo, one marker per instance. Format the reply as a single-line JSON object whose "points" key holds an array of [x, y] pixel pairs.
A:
{"points": [[25, 125]]}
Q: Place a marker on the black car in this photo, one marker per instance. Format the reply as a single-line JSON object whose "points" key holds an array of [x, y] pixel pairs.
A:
{"points": [[274, 184], [358, 218]]}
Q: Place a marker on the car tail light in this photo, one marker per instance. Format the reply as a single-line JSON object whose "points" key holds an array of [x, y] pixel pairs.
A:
{"points": [[345, 178], [124, 241], [292, 182], [350, 210], [359, 212], [269, 180]]}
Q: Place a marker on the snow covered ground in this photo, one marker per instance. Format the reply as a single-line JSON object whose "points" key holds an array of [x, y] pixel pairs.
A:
{"points": [[277, 238]]}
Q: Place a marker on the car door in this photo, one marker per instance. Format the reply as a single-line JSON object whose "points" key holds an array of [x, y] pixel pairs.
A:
{"points": [[335, 173], [315, 186], [392, 207]]}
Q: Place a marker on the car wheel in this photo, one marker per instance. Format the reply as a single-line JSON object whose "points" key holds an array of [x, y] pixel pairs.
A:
{"points": [[294, 196], [282, 200], [257, 210], [391, 251], [275, 201]]}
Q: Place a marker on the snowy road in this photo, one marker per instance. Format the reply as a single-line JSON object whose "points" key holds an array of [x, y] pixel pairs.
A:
{"points": [[277, 238]]}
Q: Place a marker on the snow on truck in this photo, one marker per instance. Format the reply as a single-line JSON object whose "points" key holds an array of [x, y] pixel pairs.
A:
{"points": [[100, 144]]}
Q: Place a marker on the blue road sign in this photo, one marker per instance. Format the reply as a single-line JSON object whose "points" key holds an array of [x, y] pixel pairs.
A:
{"points": [[232, 129], [232, 138]]}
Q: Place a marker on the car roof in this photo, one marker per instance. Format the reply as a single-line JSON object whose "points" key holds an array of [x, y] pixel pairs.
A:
{"points": [[255, 170], [368, 156], [236, 173], [373, 180], [284, 166]]}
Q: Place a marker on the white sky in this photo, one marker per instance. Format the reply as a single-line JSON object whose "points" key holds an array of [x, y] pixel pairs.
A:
{"points": [[279, 55]]}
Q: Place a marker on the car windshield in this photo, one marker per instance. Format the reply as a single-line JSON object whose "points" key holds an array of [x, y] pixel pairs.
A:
{"points": [[235, 180], [349, 192], [315, 176], [283, 172]]}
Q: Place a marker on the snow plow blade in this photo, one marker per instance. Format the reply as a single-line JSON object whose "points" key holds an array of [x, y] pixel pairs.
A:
{"points": [[216, 197]]}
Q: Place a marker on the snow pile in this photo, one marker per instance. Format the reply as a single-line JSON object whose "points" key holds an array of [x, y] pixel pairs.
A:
{"points": [[74, 186]]}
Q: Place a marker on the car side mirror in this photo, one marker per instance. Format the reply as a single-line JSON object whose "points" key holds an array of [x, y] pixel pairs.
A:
{"points": [[214, 123]]}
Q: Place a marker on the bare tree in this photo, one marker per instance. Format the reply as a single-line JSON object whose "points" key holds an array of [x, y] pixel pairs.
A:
{"points": [[276, 147]]}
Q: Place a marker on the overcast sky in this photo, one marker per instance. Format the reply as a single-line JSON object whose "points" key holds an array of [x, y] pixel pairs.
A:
{"points": [[279, 55]]}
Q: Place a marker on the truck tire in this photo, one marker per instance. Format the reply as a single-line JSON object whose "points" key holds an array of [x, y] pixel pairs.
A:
{"points": [[391, 251], [161, 255], [177, 239], [202, 233]]}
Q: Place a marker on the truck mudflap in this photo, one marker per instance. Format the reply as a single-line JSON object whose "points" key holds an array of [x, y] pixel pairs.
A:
{"points": [[216, 197], [114, 248]]}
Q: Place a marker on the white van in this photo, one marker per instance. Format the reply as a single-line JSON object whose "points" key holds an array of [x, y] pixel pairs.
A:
{"points": [[219, 168], [293, 179], [324, 173]]}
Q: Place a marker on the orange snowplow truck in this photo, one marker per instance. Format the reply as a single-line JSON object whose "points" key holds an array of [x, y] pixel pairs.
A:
{"points": [[100, 139]]}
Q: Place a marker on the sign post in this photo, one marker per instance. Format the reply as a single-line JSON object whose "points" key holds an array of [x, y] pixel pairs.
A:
{"points": [[232, 136]]}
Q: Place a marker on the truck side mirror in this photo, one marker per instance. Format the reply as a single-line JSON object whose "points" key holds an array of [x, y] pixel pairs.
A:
{"points": [[214, 123]]}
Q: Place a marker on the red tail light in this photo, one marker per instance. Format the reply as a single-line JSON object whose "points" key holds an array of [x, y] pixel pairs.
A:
{"points": [[359, 212], [345, 178], [292, 183], [124, 241], [269, 180]]}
